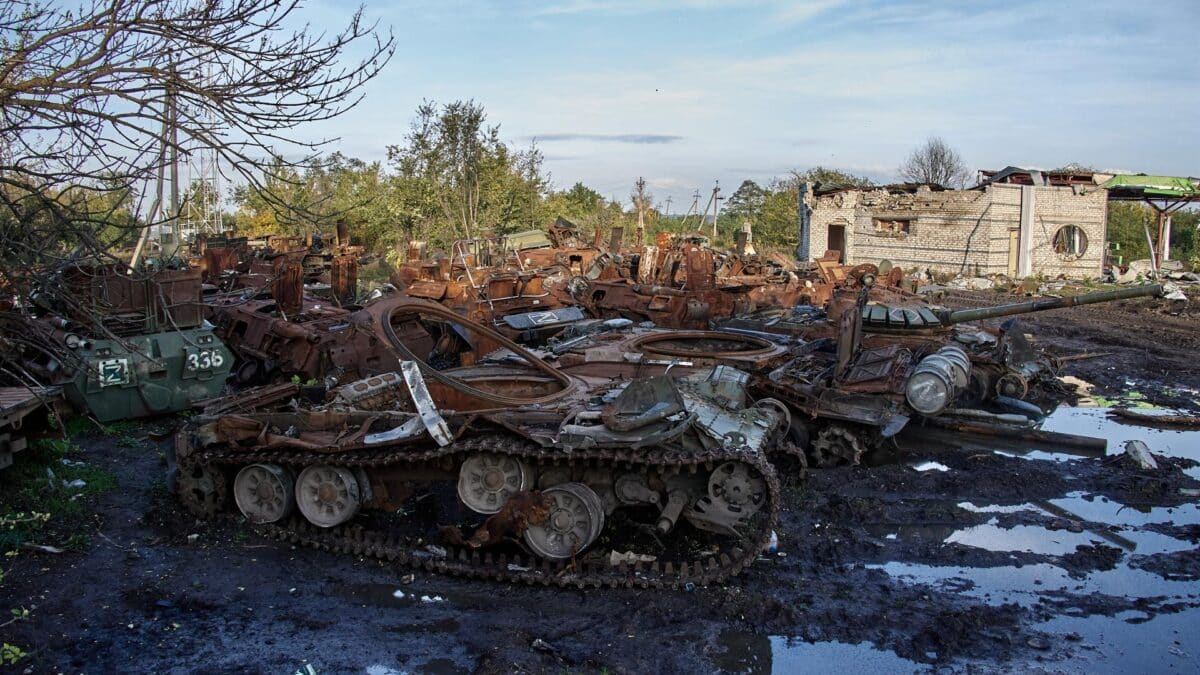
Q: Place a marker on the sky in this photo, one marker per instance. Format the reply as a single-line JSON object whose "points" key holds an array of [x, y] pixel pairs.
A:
{"points": [[689, 92]]}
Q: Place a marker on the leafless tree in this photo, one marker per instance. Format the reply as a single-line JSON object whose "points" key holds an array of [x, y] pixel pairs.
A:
{"points": [[95, 97], [936, 163]]}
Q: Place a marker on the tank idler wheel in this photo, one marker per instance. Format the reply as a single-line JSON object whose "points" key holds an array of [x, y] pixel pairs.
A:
{"points": [[265, 493], [732, 484], [202, 489], [486, 481], [836, 446], [327, 495], [574, 520]]}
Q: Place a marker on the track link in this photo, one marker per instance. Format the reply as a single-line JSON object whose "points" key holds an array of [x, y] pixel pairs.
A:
{"points": [[730, 559]]}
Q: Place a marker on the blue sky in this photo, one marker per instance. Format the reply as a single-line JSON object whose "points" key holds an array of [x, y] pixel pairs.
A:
{"points": [[685, 92]]}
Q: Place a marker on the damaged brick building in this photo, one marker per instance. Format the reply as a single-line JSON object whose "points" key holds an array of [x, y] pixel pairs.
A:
{"points": [[1018, 222]]}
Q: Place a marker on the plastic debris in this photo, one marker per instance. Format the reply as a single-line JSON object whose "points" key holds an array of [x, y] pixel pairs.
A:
{"points": [[1140, 453]]}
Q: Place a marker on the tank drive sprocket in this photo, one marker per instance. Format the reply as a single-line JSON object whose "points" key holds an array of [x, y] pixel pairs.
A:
{"points": [[202, 488], [837, 445]]}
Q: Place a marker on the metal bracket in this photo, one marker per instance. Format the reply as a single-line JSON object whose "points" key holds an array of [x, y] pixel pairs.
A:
{"points": [[426, 408]]}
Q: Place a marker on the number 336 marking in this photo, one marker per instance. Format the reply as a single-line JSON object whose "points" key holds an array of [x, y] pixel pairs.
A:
{"points": [[204, 360]]}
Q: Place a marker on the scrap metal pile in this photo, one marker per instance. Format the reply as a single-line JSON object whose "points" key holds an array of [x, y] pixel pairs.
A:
{"points": [[628, 441], [532, 407]]}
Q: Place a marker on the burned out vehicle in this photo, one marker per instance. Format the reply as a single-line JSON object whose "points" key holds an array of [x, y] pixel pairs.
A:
{"points": [[563, 479], [678, 286], [291, 334], [512, 283], [121, 344], [848, 390], [927, 366]]}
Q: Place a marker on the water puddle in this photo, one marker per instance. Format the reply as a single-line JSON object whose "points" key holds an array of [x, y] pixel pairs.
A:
{"points": [[1096, 422], [930, 466], [1035, 539], [1100, 509], [748, 653], [1025, 585], [995, 508], [1126, 645], [1024, 538], [1041, 455]]}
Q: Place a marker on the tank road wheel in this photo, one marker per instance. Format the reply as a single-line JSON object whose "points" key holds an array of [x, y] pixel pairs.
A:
{"points": [[202, 489], [732, 484], [486, 481], [835, 446], [574, 521], [327, 495], [265, 493]]}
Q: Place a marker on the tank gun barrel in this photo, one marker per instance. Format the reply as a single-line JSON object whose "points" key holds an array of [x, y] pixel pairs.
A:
{"points": [[949, 317]]}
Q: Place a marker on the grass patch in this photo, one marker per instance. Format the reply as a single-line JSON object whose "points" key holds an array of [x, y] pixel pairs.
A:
{"points": [[44, 496]]}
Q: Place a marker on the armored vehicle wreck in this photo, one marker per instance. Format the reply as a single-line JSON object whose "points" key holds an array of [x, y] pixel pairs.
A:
{"points": [[566, 480]]}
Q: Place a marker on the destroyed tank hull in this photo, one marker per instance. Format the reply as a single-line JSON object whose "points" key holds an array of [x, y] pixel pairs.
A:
{"points": [[564, 481]]}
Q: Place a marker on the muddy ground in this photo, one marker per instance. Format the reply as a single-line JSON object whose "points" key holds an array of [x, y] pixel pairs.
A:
{"points": [[1142, 348], [933, 558]]}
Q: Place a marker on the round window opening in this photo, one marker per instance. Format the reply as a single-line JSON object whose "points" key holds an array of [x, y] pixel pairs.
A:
{"points": [[1070, 242]]}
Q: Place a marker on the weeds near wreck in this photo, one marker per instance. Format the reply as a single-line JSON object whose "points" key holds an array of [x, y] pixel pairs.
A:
{"points": [[45, 494]]}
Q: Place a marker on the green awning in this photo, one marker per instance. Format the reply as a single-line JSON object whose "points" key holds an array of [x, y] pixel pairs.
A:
{"points": [[1128, 186]]}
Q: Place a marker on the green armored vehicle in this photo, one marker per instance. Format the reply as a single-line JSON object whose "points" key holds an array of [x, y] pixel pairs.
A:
{"points": [[126, 345]]}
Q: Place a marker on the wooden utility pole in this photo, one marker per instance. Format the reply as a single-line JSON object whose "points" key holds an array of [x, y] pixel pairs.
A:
{"points": [[714, 202], [692, 209]]}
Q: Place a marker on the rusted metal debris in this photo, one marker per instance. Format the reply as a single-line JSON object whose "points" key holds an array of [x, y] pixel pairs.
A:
{"points": [[428, 389], [543, 454], [1155, 419]]}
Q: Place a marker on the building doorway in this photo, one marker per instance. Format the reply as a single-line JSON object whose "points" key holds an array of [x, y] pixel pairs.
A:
{"points": [[836, 241]]}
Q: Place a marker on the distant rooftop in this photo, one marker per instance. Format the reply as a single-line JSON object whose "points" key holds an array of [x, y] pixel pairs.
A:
{"points": [[1015, 175]]}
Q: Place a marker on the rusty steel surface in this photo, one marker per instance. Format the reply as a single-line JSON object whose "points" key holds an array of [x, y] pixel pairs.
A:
{"points": [[674, 450], [127, 304], [18, 402], [343, 273]]}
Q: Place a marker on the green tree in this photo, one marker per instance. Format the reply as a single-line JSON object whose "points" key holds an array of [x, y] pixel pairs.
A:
{"points": [[745, 204], [1127, 223], [455, 177], [578, 204], [337, 188]]}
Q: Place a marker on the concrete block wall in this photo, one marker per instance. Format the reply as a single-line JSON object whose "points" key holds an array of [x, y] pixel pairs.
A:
{"points": [[962, 231], [1056, 207]]}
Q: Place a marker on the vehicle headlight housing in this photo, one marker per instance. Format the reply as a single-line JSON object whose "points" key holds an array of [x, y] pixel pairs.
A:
{"points": [[928, 392]]}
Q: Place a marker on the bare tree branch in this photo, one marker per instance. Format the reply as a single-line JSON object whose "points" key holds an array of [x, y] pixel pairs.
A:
{"points": [[935, 163], [84, 98]]}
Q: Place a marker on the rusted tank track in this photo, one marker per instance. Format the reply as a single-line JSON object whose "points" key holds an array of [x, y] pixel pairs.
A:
{"points": [[709, 568]]}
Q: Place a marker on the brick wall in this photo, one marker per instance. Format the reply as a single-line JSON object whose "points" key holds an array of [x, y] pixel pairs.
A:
{"points": [[962, 231]]}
